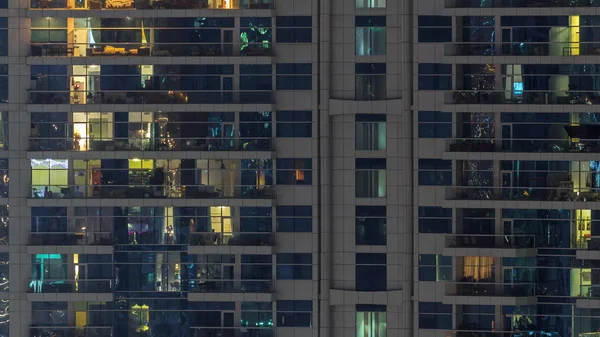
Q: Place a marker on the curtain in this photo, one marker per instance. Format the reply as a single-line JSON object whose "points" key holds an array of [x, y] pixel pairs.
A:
{"points": [[478, 267]]}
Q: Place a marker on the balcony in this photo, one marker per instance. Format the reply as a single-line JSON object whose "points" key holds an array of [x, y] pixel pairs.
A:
{"points": [[490, 289], [483, 333], [150, 97], [231, 332], [152, 191], [153, 49], [231, 290], [154, 144], [522, 49], [71, 331], [70, 286], [524, 145], [231, 243], [71, 239], [525, 97], [520, 3], [521, 193], [151, 4]]}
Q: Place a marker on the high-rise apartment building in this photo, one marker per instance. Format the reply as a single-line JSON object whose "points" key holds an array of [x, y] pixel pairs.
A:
{"points": [[205, 168]]}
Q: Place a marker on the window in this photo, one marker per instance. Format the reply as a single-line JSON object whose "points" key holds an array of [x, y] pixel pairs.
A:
{"points": [[371, 227], [292, 266], [48, 219], [294, 313], [294, 124], [256, 314], [371, 132], [433, 315], [435, 28], [435, 220], [435, 267], [256, 219], [370, 35], [256, 77], [294, 219], [370, 3], [294, 76], [435, 124], [435, 172], [257, 272], [48, 131], [294, 171], [371, 272], [255, 130], [370, 82], [370, 178], [371, 320], [3, 81], [293, 29], [435, 76]]}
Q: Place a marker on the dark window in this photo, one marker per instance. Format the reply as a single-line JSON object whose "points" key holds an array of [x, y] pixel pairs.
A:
{"points": [[370, 178], [256, 77], [435, 124], [294, 76], [3, 32], [294, 266], [435, 220], [370, 132], [371, 225], [294, 313], [435, 76], [435, 28], [435, 267], [294, 29], [294, 124], [435, 172], [433, 315], [294, 219], [371, 272], [294, 171]]}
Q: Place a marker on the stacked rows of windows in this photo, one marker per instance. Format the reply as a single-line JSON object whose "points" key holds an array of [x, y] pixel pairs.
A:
{"points": [[130, 4]]}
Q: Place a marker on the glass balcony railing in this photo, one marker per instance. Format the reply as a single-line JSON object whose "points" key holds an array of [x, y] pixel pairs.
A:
{"points": [[590, 291], [522, 193], [152, 191], [523, 49], [70, 331], [523, 145], [490, 289], [520, 3], [486, 333], [150, 97], [70, 286], [151, 49], [151, 4], [520, 97], [231, 332], [231, 286], [154, 144], [490, 241], [71, 239], [232, 239]]}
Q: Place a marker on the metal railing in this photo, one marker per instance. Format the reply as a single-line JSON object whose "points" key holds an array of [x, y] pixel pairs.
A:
{"points": [[522, 193], [149, 4], [70, 238], [232, 239], [520, 3], [522, 49], [523, 145], [116, 49], [154, 144], [152, 191], [71, 286], [230, 286], [231, 332], [490, 241], [490, 289], [150, 97], [70, 331], [522, 97], [486, 333]]}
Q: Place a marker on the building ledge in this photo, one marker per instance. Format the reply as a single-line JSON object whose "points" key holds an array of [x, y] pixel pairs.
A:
{"points": [[71, 297], [351, 107], [353, 297], [230, 297]]}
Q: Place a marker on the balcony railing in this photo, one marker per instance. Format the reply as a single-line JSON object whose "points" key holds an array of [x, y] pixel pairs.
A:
{"points": [[523, 145], [522, 193], [231, 286], [149, 97], [231, 332], [152, 191], [590, 291], [484, 333], [70, 286], [522, 49], [152, 4], [520, 3], [523, 97], [150, 49], [490, 289], [154, 144], [71, 239], [490, 241], [70, 331], [232, 239]]}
